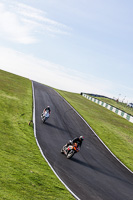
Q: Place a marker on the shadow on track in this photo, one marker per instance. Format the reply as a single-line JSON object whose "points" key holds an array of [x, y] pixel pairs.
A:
{"points": [[80, 162], [107, 172], [56, 127]]}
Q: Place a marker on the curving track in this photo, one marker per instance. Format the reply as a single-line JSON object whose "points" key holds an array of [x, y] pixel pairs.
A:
{"points": [[93, 173]]}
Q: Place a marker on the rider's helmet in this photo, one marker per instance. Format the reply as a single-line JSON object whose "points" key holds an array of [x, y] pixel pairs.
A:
{"points": [[81, 138], [48, 107]]}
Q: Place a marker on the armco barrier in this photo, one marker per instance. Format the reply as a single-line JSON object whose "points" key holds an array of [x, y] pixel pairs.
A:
{"points": [[109, 107]]}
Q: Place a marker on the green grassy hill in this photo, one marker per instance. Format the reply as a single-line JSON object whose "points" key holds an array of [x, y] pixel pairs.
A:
{"points": [[119, 105], [24, 174]]}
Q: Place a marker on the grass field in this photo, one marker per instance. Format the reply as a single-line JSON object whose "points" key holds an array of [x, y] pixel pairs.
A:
{"points": [[24, 174], [115, 131]]}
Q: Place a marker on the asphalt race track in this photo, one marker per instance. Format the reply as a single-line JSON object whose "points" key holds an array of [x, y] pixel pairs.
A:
{"points": [[93, 173]]}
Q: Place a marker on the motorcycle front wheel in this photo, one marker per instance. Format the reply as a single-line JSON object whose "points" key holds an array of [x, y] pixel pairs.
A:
{"points": [[70, 154], [44, 121]]}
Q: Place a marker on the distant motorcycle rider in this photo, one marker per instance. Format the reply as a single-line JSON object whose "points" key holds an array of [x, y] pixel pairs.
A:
{"points": [[47, 109], [77, 140]]}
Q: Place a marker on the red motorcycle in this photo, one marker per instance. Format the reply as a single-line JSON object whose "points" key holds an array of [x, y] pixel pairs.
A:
{"points": [[70, 150]]}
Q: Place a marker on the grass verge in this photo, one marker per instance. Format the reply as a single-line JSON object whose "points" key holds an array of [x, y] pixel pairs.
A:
{"points": [[119, 105], [24, 174], [115, 131]]}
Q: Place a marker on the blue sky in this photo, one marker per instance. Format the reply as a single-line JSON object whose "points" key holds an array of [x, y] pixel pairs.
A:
{"points": [[73, 45]]}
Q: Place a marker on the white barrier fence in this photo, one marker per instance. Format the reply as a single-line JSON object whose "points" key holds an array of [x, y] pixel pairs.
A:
{"points": [[109, 107]]}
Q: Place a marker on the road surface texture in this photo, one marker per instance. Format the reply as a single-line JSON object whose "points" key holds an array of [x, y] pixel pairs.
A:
{"points": [[93, 173]]}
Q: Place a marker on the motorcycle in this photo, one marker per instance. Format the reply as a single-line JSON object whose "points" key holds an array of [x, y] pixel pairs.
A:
{"points": [[70, 150], [45, 115]]}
